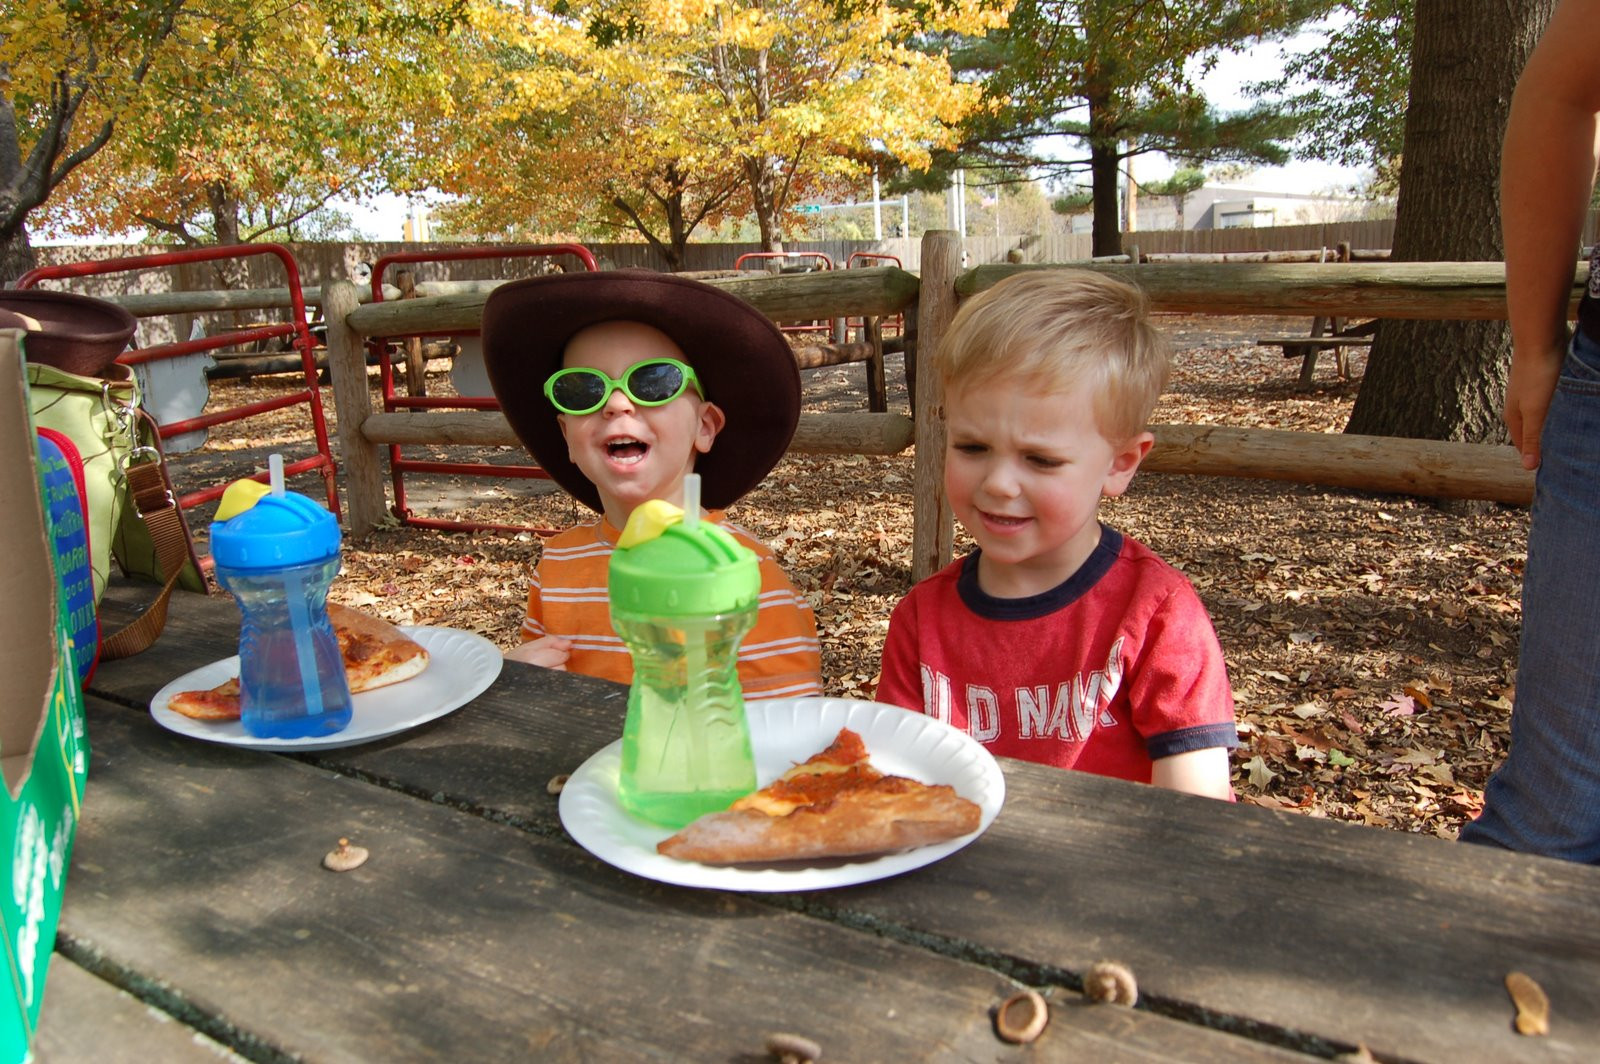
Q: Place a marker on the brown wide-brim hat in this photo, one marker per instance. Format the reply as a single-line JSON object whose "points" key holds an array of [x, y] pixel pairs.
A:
{"points": [[79, 334], [743, 362]]}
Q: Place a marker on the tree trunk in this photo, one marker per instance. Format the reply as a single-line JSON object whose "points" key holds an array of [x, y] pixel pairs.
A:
{"points": [[1445, 380], [1107, 231], [224, 212], [764, 198], [16, 255], [677, 231], [16, 252]]}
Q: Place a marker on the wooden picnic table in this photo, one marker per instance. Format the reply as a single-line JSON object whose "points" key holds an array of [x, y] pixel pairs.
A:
{"points": [[1326, 334], [479, 930]]}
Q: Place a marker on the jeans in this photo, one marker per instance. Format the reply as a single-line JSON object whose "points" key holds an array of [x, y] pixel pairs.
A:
{"points": [[1545, 798]]}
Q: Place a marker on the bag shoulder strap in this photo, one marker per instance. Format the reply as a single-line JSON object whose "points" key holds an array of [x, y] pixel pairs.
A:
{"points": [[155, 503]]}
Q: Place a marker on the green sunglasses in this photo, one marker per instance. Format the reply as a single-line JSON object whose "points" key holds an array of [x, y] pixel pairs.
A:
{"points": [[653, 382]]}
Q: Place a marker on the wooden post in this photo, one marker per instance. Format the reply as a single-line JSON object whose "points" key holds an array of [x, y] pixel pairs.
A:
{"points": [[416, 364], [1308, 355], [877, 387], [933, 528], [347, 365], [1341, 359]]}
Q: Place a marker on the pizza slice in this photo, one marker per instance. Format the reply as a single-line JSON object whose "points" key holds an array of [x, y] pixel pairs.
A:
{"points": [[219, 703], [375, 652], [834, 804]]}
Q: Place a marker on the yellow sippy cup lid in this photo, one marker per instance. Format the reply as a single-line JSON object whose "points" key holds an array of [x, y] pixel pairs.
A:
{"points": [[648, 520], [238, 497]]}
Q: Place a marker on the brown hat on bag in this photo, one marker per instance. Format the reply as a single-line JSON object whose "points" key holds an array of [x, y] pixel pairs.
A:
{"points": [[79, 334], [741, 359]]}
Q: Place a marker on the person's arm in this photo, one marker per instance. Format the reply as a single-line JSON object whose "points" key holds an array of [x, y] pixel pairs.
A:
{"points": [[780, 656], [899, 672], [1179, 695], [1203, 772], [539, 647], [1547, 170], [549, 651]]}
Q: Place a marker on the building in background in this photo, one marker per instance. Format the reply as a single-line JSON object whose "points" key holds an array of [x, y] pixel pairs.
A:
{"points": [[1237, 207]]}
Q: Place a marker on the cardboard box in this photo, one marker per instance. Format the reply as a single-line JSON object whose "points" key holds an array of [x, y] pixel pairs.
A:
{"points": [[44, 753]]}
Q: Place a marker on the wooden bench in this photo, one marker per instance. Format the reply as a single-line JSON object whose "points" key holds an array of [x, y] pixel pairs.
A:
{"points": [[1306, 348], [1293, 345]]}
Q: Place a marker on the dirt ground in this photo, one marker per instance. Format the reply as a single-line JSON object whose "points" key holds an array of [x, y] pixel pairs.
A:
{"points": [[1371, 639]]}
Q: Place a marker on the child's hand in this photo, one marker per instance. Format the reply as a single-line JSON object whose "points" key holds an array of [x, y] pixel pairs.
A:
{"points": [[550, 651]]}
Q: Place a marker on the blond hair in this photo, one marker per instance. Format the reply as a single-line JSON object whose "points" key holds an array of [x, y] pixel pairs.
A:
{"points": [[1058, 329]]}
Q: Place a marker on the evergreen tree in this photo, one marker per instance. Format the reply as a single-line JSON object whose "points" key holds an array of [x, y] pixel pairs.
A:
{"points": [[1114, 79], [1349, 94]]}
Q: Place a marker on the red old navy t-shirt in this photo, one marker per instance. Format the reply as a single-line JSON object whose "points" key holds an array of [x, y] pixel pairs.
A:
{"points": [[1117, 666]]}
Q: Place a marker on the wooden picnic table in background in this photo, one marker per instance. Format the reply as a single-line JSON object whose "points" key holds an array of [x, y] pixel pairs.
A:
{"points": [[479, 930], [1326, 334]]}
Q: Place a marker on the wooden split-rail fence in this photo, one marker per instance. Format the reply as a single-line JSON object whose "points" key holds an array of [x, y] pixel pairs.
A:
{"points": [[1429, 468]]}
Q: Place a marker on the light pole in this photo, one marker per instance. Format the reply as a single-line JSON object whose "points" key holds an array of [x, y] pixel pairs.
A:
{"points": [[877, 206]]}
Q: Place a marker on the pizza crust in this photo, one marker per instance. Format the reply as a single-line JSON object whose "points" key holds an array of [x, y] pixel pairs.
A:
{"points": [[891, 816], [833, 805], [376, 653]]}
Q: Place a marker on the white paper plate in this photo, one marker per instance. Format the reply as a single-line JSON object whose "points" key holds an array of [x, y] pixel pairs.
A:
{"points": [[461, 666], [783, 732]]}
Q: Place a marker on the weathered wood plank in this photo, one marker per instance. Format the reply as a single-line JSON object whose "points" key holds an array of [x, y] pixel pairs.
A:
{"points": [[816, 356], [879, 290], [1438, 290], [347, 366], [1314, 341], [86, 1018], [1322, 255], [1356, 934], [1334, 933], [933, 525], [197, 869], [854, 432], [1428, 468], [1391, 289]]}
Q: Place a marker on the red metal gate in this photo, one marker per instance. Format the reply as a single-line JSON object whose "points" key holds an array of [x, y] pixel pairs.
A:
{"points": [[322, 462], [400, 465], [862, 259], [801, 262]]}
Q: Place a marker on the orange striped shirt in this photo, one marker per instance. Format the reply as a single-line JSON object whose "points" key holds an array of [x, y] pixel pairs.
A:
{"points": [[779, 657]]}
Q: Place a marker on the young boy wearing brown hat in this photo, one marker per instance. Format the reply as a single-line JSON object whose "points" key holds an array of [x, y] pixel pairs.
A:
{"points": [[619, 383]]}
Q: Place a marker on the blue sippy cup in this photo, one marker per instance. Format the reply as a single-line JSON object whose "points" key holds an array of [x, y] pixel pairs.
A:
{"points": [[278, 557]]}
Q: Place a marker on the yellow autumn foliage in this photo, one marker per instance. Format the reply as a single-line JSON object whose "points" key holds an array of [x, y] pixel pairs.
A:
{"points": [[705, 108]]}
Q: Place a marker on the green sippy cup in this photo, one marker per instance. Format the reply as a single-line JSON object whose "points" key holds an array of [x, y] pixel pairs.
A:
{"points": [[683, 594]]}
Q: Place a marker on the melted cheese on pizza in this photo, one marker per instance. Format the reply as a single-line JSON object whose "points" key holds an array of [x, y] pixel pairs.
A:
{"points": [[816, 781], [218, 703]]}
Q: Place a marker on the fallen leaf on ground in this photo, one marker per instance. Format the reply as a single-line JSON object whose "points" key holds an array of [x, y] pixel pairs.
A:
{"points": [[1399, 706]]}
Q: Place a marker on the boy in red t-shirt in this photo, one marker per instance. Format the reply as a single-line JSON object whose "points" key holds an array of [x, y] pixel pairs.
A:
{"points": [[1059, 640]]}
